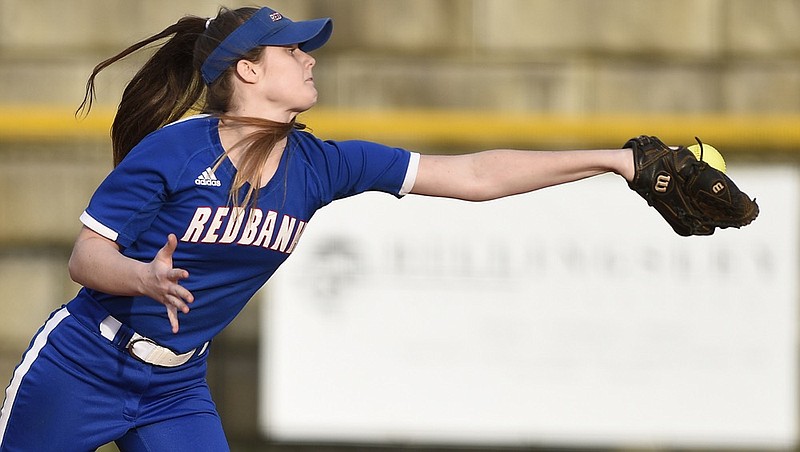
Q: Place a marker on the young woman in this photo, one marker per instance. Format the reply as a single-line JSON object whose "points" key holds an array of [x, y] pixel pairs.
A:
{"points": [[196, 216]]}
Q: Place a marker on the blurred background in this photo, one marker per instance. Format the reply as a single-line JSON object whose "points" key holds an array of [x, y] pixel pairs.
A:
{"points": [[436, 76]]}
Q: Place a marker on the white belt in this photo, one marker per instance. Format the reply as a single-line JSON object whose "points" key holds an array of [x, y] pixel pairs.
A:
{"points": [[144, 349]]}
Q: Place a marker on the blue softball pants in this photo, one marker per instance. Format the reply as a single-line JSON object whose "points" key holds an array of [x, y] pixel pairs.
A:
{"points": [[75, 390]]}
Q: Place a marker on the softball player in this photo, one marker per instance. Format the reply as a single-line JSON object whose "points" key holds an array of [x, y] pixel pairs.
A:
{"points": [[197, 215]]}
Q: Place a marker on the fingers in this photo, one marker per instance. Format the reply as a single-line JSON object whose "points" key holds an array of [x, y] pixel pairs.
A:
{"points": [[169, 247], [177, 298], [164, 255], [174, 275], [177, 274], [172, 313], [175, 304], [179, 291], [174, 296]]}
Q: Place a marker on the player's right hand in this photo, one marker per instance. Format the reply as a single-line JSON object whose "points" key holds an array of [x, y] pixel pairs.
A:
{"points": [[162, 283]]}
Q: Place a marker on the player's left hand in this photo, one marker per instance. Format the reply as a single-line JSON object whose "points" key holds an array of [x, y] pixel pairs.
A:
{"points": [[692, 196]]}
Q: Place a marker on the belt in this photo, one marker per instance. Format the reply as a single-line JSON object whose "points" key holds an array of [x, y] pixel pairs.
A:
{"points": [[144, 349]]}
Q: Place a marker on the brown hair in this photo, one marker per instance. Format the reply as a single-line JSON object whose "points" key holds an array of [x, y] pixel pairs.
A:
{"points": [[169, 85]]}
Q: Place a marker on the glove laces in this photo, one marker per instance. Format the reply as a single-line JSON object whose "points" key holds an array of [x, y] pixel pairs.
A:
{"points": [[701, 148]]}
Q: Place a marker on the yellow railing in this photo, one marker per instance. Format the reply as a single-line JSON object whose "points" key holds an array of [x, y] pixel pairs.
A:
{"points": [[737, 133]]}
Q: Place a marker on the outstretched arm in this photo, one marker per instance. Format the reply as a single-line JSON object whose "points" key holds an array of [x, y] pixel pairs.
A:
{"points": [[503, 172], [96, 262]]}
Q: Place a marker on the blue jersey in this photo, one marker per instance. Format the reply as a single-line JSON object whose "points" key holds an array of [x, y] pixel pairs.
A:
{"points": [[169, 184]]}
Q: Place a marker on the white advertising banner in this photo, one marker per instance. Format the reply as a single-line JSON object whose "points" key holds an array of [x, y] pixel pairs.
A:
{"points": [[573, 315]]}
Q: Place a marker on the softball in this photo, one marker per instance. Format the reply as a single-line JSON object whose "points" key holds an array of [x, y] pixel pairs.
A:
{"points": [[710, 155]]}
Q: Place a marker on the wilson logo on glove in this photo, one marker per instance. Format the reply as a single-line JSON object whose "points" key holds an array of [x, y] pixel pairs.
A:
{"points": [[662, 183]]}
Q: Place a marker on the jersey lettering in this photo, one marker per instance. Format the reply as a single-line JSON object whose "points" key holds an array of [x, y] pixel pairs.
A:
{"points": [[216, 223], [266, 229], [234, 225], [255, 228], [301, 226], [251, 227], [285, 233], [195, 229]]}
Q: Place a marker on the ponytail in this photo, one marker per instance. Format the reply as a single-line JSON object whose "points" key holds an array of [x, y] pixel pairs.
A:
{"points": [[163, 90], [170, 84]]}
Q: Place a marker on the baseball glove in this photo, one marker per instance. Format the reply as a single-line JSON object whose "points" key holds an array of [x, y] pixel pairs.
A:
{"points": [[692, 196]]}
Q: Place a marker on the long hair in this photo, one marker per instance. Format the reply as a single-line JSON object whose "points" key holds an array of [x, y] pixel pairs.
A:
{"points": [[258, 146], [169, 85]]}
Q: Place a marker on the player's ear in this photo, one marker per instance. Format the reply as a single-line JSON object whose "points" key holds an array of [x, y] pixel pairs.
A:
{"points": [[246, 71]]}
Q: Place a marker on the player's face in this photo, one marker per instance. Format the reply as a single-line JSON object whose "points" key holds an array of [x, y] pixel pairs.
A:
{"points": [[288, 83]]}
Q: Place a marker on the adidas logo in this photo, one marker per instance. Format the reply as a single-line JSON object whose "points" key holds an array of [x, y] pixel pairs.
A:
{"points": [[207, 177]]}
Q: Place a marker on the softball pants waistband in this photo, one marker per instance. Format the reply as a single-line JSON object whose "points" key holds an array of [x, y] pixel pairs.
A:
{"points": [[121, 335]]}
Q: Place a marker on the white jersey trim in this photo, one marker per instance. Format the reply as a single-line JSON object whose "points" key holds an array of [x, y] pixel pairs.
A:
{"points": [[411, 174], [30, 356], [98, 227], [178, 121]]}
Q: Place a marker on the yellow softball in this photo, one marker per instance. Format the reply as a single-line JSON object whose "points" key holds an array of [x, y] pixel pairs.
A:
{"points": [[710, 155]]}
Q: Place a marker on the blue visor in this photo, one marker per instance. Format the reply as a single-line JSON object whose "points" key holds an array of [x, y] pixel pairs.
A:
{"points": [[265, 28]]}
